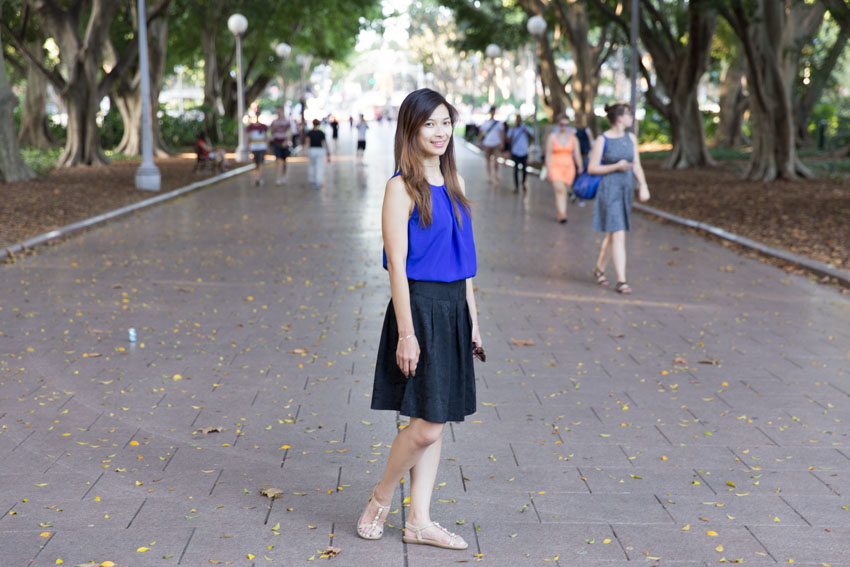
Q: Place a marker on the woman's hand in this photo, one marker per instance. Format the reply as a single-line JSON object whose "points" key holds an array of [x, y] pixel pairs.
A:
{"points": [[624, 165], [476, 336], [643, 193], [407, 356]]}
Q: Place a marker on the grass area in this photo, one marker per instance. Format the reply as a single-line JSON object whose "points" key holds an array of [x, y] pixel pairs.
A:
{"points": [[44, 161], [720, 154], [41, 161]]}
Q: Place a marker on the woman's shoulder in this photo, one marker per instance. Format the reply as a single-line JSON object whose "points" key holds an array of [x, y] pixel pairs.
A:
{"points": [[461, 183]]}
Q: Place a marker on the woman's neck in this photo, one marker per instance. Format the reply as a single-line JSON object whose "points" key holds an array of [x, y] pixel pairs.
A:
{"points": [[619, 129], [433, 174]]}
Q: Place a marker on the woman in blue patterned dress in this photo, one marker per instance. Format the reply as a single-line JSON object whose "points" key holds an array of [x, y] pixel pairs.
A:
{"points": [[615, 157]]}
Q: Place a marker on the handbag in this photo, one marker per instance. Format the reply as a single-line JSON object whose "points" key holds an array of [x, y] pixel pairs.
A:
{"points": [[586, 185]]}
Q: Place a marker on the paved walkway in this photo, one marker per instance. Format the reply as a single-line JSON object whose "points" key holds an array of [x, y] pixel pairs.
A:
{"points": [[701, 420]]}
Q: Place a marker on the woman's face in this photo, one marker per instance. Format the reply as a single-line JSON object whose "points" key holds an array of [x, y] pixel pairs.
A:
{"points": [[434, 135], [626, 119]]}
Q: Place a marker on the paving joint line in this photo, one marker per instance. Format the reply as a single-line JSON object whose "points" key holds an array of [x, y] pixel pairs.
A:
{"points": [[67, 230]]}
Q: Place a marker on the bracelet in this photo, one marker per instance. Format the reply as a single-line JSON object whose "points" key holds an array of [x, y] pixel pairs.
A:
{"points": [[401, 339]]}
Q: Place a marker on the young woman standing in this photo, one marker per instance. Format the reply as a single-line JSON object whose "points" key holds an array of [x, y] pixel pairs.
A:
{"points": [[424, 368], [615, 157], [563, 157]]}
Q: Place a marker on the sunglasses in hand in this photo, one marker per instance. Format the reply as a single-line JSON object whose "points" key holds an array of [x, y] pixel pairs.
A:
{"points": [[478, 352]]}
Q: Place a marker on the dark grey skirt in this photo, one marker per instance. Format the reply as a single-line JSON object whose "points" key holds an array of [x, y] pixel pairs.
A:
{"points": [[443, 388]]}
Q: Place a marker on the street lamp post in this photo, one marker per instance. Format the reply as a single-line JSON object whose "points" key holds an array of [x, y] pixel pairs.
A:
{"points": [[147, 176], [282, 50], [237, 24], [537, 27], [634, 40], [492, 52]]}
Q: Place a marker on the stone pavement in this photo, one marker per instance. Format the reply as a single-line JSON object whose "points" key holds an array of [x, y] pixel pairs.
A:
{"points": [[702, 420]]}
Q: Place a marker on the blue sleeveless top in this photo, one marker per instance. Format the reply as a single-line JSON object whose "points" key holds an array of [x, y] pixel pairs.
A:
{"points": [[442, 252]]}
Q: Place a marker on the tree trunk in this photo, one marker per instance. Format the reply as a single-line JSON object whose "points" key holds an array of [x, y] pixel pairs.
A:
{"points": [[35, 132], [805, 102], [212, 84], [128, 96], [686, 125], [12, 166], [681, 76], [732, 105], [554, 97], [585, 81], [766, 39], [82, 101]]}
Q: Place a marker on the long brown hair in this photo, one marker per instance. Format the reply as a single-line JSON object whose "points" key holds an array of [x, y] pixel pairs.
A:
{"points": [[413, 113]]}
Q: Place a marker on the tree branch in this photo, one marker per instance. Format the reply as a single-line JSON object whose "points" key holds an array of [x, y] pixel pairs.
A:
{"points": [[51, 75]]}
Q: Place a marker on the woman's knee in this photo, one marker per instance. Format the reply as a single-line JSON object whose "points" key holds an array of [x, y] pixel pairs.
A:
{"points": [[425, 433]]}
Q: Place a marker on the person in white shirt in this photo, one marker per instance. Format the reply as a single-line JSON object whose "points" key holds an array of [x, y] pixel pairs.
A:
{"points": [[258, 134], [361, 136], [492, 140]]}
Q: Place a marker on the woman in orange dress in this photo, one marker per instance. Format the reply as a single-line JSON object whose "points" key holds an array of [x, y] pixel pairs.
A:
{"points": [[563, 158]]}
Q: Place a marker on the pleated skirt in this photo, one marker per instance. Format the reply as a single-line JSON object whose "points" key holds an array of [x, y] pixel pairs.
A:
{"points": [[443, 388]]}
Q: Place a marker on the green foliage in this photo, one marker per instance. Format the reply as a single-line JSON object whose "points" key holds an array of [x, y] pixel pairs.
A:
{"points": [[653, 127], [112, 129], [41, 161], [182, 131], [488, 21], [836, 121]]}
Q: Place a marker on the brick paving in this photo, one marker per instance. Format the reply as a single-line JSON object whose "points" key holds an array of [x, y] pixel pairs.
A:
{"points": [[701, 420]]}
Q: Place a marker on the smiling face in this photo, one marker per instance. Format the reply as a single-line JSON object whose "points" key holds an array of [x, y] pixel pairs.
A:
{"points": [[434, 135]]}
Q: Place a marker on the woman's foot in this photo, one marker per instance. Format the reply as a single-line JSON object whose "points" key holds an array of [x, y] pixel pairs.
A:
{"points": [[433, 534], [600, 276], [623, 287], [371, 522], [562, 221]]}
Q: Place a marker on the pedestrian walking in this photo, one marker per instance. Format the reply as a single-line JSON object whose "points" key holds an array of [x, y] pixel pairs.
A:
{"points": [[317, 150], [335, 132], [563, 159], [258, 144], [491, 137], [361, 136], [424, 368], [280, 132], [615, 157], [519, 138]]}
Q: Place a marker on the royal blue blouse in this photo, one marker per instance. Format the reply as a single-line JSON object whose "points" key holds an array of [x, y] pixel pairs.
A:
{"points": [[442, 252]]}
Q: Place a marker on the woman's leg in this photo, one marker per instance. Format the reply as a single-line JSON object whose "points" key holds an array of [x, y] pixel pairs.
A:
{"points": [[422, 477], [516, 172], [560, 199], [409, 446], [604, 253], [618, 251], [524, 161]]}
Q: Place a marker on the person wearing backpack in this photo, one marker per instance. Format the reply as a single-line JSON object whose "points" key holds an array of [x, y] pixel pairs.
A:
{"points": [[491, 139], [519, 139]]}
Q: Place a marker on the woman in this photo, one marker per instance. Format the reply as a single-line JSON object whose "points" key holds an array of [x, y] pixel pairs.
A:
{"points": [[424, 368], [615, 157], [563, 158], [318, 148], [257, 134]]}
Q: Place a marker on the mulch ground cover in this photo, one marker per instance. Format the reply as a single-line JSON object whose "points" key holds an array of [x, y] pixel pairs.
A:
{"points": [[73, 194], [810, 218]]}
